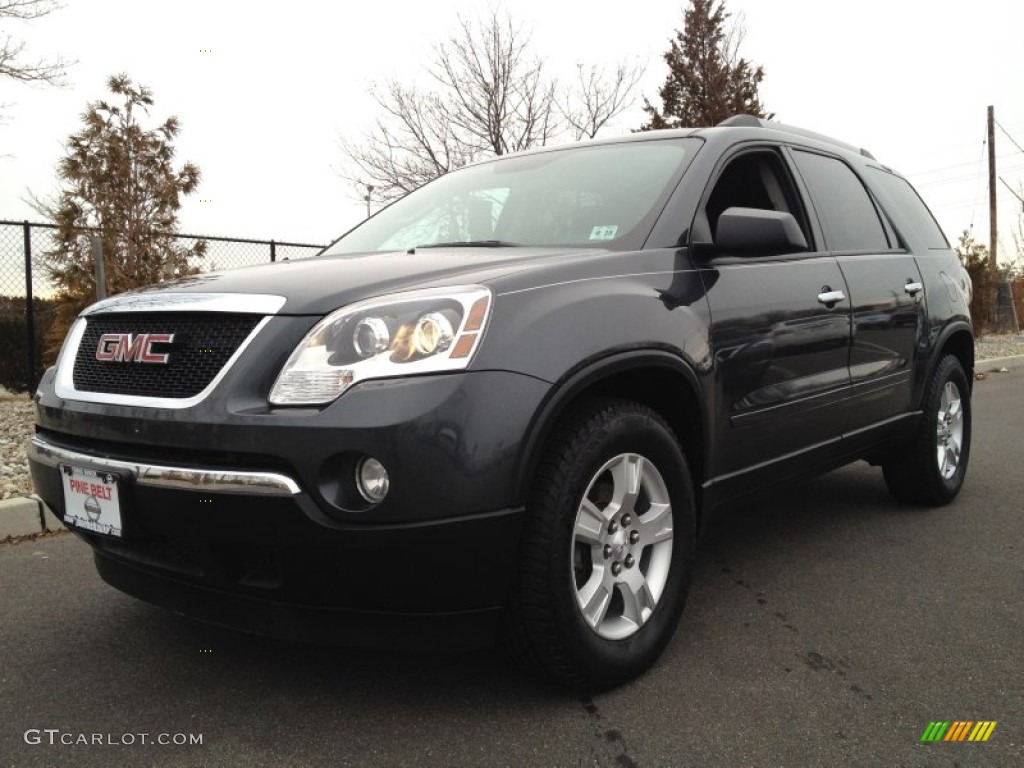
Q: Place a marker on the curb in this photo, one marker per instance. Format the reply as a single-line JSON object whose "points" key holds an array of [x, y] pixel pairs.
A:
{"points": [[988, 365], [26, 516]]}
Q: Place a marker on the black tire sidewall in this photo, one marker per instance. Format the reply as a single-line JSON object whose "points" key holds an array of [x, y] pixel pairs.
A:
{"points": [[601, 659], [949, 370]]}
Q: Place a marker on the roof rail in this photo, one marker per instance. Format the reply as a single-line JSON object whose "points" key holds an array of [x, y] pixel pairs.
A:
{"points": [[750, 121], [743, 121]]}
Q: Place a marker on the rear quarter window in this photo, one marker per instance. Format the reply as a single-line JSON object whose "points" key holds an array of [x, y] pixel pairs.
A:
{"points": [[908, 207]]}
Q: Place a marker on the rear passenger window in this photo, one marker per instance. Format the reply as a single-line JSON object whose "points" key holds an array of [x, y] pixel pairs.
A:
{"points": [[910, 204], [847, 213]]}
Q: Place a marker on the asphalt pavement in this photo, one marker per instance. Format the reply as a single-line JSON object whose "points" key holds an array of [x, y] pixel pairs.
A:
{"points": [[827, 625]]}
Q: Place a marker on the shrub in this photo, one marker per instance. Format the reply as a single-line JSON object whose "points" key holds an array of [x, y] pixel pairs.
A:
{"points": [[14, 373], [974, 256], [1017, 286]]}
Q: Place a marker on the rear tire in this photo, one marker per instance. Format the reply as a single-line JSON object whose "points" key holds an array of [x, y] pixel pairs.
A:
{"points": [[931, 469], [607, 548]]}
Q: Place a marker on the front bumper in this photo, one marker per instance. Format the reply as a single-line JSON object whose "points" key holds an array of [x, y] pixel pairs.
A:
{"points": [[262, 545], [257, 560], [451, 443]]}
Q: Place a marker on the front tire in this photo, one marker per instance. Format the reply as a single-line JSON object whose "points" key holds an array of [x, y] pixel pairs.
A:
{"points": [[607, 549], [931, 469]]}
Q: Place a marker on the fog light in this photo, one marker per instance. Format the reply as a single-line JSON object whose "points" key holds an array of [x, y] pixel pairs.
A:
{"points": [[372, 480]]}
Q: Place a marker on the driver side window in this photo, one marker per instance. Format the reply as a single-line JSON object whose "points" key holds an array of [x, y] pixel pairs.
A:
{"points": [[754, 180]]}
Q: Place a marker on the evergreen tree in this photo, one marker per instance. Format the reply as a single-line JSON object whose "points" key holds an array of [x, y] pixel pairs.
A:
{"points": [[119, 184], [708, 81]]}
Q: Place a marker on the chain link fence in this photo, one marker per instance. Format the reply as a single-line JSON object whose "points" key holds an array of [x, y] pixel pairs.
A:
{"points": [[27, 301]]}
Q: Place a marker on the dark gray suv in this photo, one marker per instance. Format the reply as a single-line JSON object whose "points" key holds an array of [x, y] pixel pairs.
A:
{"points": [[503, 406]]}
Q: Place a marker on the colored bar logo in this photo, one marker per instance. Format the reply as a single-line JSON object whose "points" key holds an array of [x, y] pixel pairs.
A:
{"points": [[959, 730]]}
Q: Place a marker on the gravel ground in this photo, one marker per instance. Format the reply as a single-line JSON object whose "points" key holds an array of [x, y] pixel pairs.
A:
{"points": [[1004, 345], [15, 429], [16, 419]]}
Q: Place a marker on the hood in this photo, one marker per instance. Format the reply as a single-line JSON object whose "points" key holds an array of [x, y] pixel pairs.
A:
{"points": [[319, 285]]}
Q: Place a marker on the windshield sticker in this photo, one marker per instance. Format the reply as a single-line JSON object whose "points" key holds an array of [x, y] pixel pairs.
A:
{"points": [[604, 233]]}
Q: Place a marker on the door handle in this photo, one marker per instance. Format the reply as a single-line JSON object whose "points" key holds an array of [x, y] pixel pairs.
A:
{"points": [[913, 288], [828, 297]]}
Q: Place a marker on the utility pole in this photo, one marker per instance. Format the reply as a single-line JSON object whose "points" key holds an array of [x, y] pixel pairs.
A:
{"points": [[369, 193], [99, 270], [993, 242], [1004, 313]]}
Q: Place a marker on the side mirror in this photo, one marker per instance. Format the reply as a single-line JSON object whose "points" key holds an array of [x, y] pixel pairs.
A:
{"points": [[756, 232]]}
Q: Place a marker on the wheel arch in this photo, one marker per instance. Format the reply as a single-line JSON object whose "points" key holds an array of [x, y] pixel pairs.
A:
{"points": [[658, 379], [958, 340]]}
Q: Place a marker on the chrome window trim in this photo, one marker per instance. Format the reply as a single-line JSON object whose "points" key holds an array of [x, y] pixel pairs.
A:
{"points": [[161, 476], [64, 384], [243, 303]]}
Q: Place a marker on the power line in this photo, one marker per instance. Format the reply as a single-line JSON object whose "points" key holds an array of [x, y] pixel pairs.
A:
{"points": [[959, 165], [1003, 194], [963, 177], [962, 203], [1002, 246], [980, 175], [1012, 141], [1012, 192]]}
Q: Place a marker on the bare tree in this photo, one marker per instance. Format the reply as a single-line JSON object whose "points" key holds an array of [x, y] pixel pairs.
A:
{"points": [[499, 99], [598, 97], [12, 61], [409, 145], [488, 94]]}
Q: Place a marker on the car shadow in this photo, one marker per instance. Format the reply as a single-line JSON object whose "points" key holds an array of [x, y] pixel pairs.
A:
{"points": [[208, 660], [832, 504]]}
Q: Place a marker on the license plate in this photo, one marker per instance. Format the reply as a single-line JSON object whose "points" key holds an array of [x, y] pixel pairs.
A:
{"points": [[91, 500]]}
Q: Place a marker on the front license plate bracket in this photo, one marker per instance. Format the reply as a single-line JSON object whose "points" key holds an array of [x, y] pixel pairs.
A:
{"points": [[92, 500]]}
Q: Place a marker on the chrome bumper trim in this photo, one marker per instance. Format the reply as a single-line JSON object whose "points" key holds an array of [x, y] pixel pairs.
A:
{"points": [[158, 476]]}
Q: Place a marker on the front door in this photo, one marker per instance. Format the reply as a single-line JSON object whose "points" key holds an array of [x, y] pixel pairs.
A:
{"points": [[780, 330]]}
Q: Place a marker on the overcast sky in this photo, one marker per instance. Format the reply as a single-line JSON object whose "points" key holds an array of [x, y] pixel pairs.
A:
{"points": [[262, 111]]}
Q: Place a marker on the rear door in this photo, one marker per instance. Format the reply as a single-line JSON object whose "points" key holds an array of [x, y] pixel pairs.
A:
{"points": [[885, 288]]}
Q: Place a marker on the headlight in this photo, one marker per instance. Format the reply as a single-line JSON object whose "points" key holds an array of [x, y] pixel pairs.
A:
{"points": [[399, 335], [371, 337]]}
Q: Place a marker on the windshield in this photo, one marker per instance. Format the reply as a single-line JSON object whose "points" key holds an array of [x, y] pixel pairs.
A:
{"points": [[604, 195]]}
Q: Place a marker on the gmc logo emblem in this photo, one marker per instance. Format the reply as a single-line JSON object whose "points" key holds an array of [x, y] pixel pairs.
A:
{"points": [[132, 348]]}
